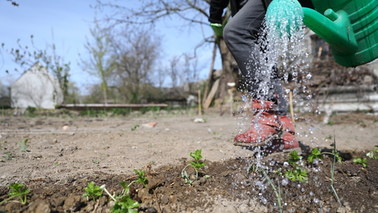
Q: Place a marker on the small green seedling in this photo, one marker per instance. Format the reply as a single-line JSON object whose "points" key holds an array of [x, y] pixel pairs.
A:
{"points": [[330, 123], [196, 164], [337, 156], [315, 154], [373, 154], [19, 191], [297, 174], [96, 161], [135, 127], [9, 155], [294, 157], [361, 161], [185, 176], [141, 177], [24, 147], [123, 203], [92, 192]]}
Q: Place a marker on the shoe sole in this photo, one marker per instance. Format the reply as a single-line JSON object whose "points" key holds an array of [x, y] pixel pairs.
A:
{"points": [[269, 146], [264, 142]]}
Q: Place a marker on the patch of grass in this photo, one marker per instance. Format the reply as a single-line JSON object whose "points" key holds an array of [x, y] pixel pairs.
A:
{"points": [[116, 111], [31, 111]]}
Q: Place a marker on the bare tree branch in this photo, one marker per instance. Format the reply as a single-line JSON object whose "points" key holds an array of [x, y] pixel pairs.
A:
{"points": [[151, 11]]}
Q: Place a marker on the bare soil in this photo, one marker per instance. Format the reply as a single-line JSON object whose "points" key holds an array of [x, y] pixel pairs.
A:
{"points": [[56, 157]]}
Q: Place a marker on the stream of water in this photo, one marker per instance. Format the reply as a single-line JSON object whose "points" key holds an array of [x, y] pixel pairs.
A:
{"points": [[279, 57]]}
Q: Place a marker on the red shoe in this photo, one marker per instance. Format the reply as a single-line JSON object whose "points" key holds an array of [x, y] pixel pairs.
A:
{"points": [[288, 133], [268, 128], [263, 128]]}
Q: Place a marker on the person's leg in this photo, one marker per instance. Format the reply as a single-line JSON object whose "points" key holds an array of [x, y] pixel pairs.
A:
{"points": [[242, 31], [241, 34]]}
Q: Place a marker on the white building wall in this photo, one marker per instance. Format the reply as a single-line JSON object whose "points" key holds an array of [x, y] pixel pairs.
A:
{"points": [[36, 88]]}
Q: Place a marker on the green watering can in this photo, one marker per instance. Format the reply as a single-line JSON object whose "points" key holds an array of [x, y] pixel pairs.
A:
{"points": [[349, 26]]}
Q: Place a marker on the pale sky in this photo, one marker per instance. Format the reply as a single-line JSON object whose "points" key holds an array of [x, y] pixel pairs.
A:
{"points": [[66, 23]]}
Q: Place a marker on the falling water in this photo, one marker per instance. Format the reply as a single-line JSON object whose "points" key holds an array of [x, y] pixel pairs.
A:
{"points": [[280, 50]]}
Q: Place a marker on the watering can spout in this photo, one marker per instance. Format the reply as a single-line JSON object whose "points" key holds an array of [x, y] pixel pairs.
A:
{"points": [[333, 27], [349, 26]]}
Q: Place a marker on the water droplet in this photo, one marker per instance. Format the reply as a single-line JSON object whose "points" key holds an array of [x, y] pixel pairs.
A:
{"points": [[284, 182], [263, 200]]}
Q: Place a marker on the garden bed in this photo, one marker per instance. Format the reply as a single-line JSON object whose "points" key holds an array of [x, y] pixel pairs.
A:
{"points": [[229, 186]]}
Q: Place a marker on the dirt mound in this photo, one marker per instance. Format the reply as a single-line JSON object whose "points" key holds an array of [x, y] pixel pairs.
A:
{"points": [[223, 186]]}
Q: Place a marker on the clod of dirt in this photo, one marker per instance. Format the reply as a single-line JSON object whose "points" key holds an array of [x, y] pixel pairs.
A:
{"points": [[73, 203], [41, 206]]}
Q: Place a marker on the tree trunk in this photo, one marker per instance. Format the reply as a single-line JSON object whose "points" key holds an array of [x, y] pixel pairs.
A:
{"points": [[229, 70]]}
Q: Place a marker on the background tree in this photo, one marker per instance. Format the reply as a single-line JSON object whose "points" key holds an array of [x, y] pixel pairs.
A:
{"points": [[183, 70], [135, 52], [100, 61], [191, 12], [190, 69], [174, 71]]}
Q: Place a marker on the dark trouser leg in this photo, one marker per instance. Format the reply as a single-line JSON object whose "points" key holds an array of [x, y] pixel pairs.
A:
{"points": [[241, 34]]}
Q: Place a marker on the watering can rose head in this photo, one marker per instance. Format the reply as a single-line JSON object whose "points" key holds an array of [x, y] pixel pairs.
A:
{"points": [[349, 26], [284, 17]]}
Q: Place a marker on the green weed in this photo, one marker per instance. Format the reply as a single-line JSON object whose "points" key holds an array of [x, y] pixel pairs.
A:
{"points": [[330, 123], [196, 164], [373, 154], [24, 147], [297, 174], [135, 127], [315, 154], [141, 177], [123, 202], [32, 111], [92, 192], [19, 191], [294, 157], [9, 156], [361, 161]]}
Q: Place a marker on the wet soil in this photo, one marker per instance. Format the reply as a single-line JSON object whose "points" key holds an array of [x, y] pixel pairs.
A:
{"points": [[56, 157], [228, 187]]}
